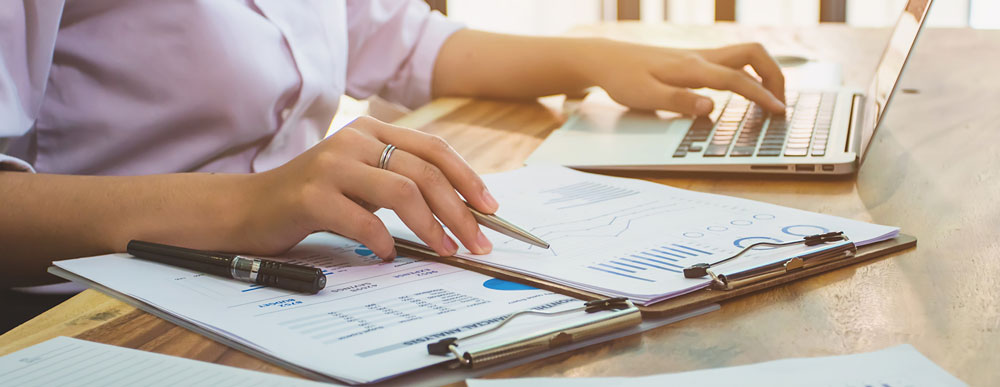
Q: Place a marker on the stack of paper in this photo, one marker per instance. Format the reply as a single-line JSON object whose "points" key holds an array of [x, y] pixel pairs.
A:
{"points": [[371, 322], [896, 366], [64, 361], [632, 238]]}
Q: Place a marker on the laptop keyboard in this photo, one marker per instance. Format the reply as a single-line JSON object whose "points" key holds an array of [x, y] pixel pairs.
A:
{"points": [[740, 128]]}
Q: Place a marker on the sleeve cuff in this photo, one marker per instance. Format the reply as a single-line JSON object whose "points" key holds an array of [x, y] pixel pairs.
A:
{"points": [[8, 163], [437, 30]]}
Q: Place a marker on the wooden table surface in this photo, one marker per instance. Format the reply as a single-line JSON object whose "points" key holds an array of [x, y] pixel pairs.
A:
{"points": [[933, 170]]}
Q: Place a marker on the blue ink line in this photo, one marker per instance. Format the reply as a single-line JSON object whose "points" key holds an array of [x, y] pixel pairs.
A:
{"points": [[681, 251], [621, 274], [660, 256], [627, 265], [647, 264], [661, 262], [694, 249], [616, 268]]}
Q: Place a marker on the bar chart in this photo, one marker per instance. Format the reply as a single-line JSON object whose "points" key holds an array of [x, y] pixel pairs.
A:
{"points": [[647, 265]]}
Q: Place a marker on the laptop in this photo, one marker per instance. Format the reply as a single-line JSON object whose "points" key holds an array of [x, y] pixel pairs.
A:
{"points": [[822, 131]]}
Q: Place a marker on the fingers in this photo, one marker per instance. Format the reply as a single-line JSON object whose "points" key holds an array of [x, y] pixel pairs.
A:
{"points": [[436, 151], [442, 199], [753, 54], [678, 99], [386, 189], [768, 69], [345, 217], [725, 78], [419, 184]]}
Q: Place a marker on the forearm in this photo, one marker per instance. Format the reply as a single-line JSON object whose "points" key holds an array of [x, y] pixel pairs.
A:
{"points": [[50, 217], [483, 64], [480, 64]]}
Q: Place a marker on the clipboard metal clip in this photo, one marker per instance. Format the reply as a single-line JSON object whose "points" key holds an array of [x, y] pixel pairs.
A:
{"points": [[540, 341], [836, 246]]}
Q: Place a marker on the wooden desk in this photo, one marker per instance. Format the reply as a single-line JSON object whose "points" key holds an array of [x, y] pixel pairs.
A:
{"points": [[934, 171]]}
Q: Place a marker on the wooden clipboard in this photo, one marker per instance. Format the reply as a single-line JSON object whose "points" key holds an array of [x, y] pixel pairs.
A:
{"points": [[686, 302]]}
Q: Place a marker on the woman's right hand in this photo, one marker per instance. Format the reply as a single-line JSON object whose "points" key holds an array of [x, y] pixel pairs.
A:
{"points": [[336, 185]]}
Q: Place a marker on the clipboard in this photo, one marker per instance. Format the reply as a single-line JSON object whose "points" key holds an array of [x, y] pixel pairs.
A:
{"points": [[508, 351], [689, 301]]}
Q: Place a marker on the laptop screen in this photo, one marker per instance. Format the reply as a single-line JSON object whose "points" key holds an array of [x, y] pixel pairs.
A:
{"points": [[890, 67]]}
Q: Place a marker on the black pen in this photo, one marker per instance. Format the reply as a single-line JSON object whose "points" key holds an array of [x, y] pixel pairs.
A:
{"points": [[260, 271]]}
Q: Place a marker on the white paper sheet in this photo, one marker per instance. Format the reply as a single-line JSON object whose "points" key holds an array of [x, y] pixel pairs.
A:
{"points": [[65, 361], [632, 238], [893, 367], [371, 322]]}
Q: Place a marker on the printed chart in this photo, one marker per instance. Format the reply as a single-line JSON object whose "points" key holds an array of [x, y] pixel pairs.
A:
{"points": [[625, 237]]}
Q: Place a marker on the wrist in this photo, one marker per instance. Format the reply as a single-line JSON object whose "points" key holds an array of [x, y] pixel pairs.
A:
{"points": [[585, 59], [196, 210], [246, 203]]}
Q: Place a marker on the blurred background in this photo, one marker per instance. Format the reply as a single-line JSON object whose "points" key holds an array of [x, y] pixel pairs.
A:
{"points": [[556, 17]]}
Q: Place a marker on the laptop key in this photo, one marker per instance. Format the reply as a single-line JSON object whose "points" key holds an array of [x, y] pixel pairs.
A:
{"points": [[769, 152], [716, 150], [742, 151], [694, 148]]}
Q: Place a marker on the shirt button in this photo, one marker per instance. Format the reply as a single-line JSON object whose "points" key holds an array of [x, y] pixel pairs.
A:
{"points": [[285, 113]]}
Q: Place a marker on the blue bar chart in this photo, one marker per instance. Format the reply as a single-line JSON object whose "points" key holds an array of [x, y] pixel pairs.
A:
{"points": [[649, 264]]}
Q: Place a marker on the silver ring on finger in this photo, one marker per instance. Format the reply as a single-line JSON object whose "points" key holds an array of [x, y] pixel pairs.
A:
{"points": [[383, 162]]}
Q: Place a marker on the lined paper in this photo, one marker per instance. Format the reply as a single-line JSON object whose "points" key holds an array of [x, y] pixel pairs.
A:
{"points": [[64, 361], [899, 366]]}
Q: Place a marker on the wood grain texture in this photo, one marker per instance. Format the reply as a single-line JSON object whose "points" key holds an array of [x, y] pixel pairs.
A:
{"points": [[934, 171]]}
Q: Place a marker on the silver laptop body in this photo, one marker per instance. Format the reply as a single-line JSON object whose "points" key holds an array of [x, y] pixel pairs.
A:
{"points": [[822, 132]]}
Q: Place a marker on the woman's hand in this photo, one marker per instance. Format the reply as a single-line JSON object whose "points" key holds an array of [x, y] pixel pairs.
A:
{"points": [[336, 185], [647, 77], [482, 64], [333, 186]]}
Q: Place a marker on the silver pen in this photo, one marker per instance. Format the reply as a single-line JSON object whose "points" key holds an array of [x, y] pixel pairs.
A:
{"points": [[504, 227]]}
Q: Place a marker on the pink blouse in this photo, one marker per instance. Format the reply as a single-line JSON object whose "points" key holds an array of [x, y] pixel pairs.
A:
{"points": [[119, 87]]}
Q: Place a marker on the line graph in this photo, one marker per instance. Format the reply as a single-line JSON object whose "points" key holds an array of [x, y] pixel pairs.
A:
{"points": [[612, 224]]}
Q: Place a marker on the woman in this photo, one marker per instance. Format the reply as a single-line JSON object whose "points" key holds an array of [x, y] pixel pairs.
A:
{"points": [[200, 123]]}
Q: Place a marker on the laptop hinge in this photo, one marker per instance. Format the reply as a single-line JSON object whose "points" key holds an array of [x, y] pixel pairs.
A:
{"points": [[857, 103]]}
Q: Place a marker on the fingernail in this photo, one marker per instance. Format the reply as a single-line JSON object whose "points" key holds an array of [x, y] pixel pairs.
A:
{"points": [[450, 245], [489, 200], [703, 106], [485, 245]]}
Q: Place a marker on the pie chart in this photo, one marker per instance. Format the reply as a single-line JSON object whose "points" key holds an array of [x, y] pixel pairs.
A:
{"points": [[499, 284]]}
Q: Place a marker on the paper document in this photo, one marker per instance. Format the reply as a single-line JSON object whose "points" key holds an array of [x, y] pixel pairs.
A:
{"points": [[893, 367], [371, 322], [65, 361], [632, 238]]}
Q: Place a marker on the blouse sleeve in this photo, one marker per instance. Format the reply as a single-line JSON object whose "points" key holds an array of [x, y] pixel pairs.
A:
{"points": [[27, 41], [392, 46]]}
